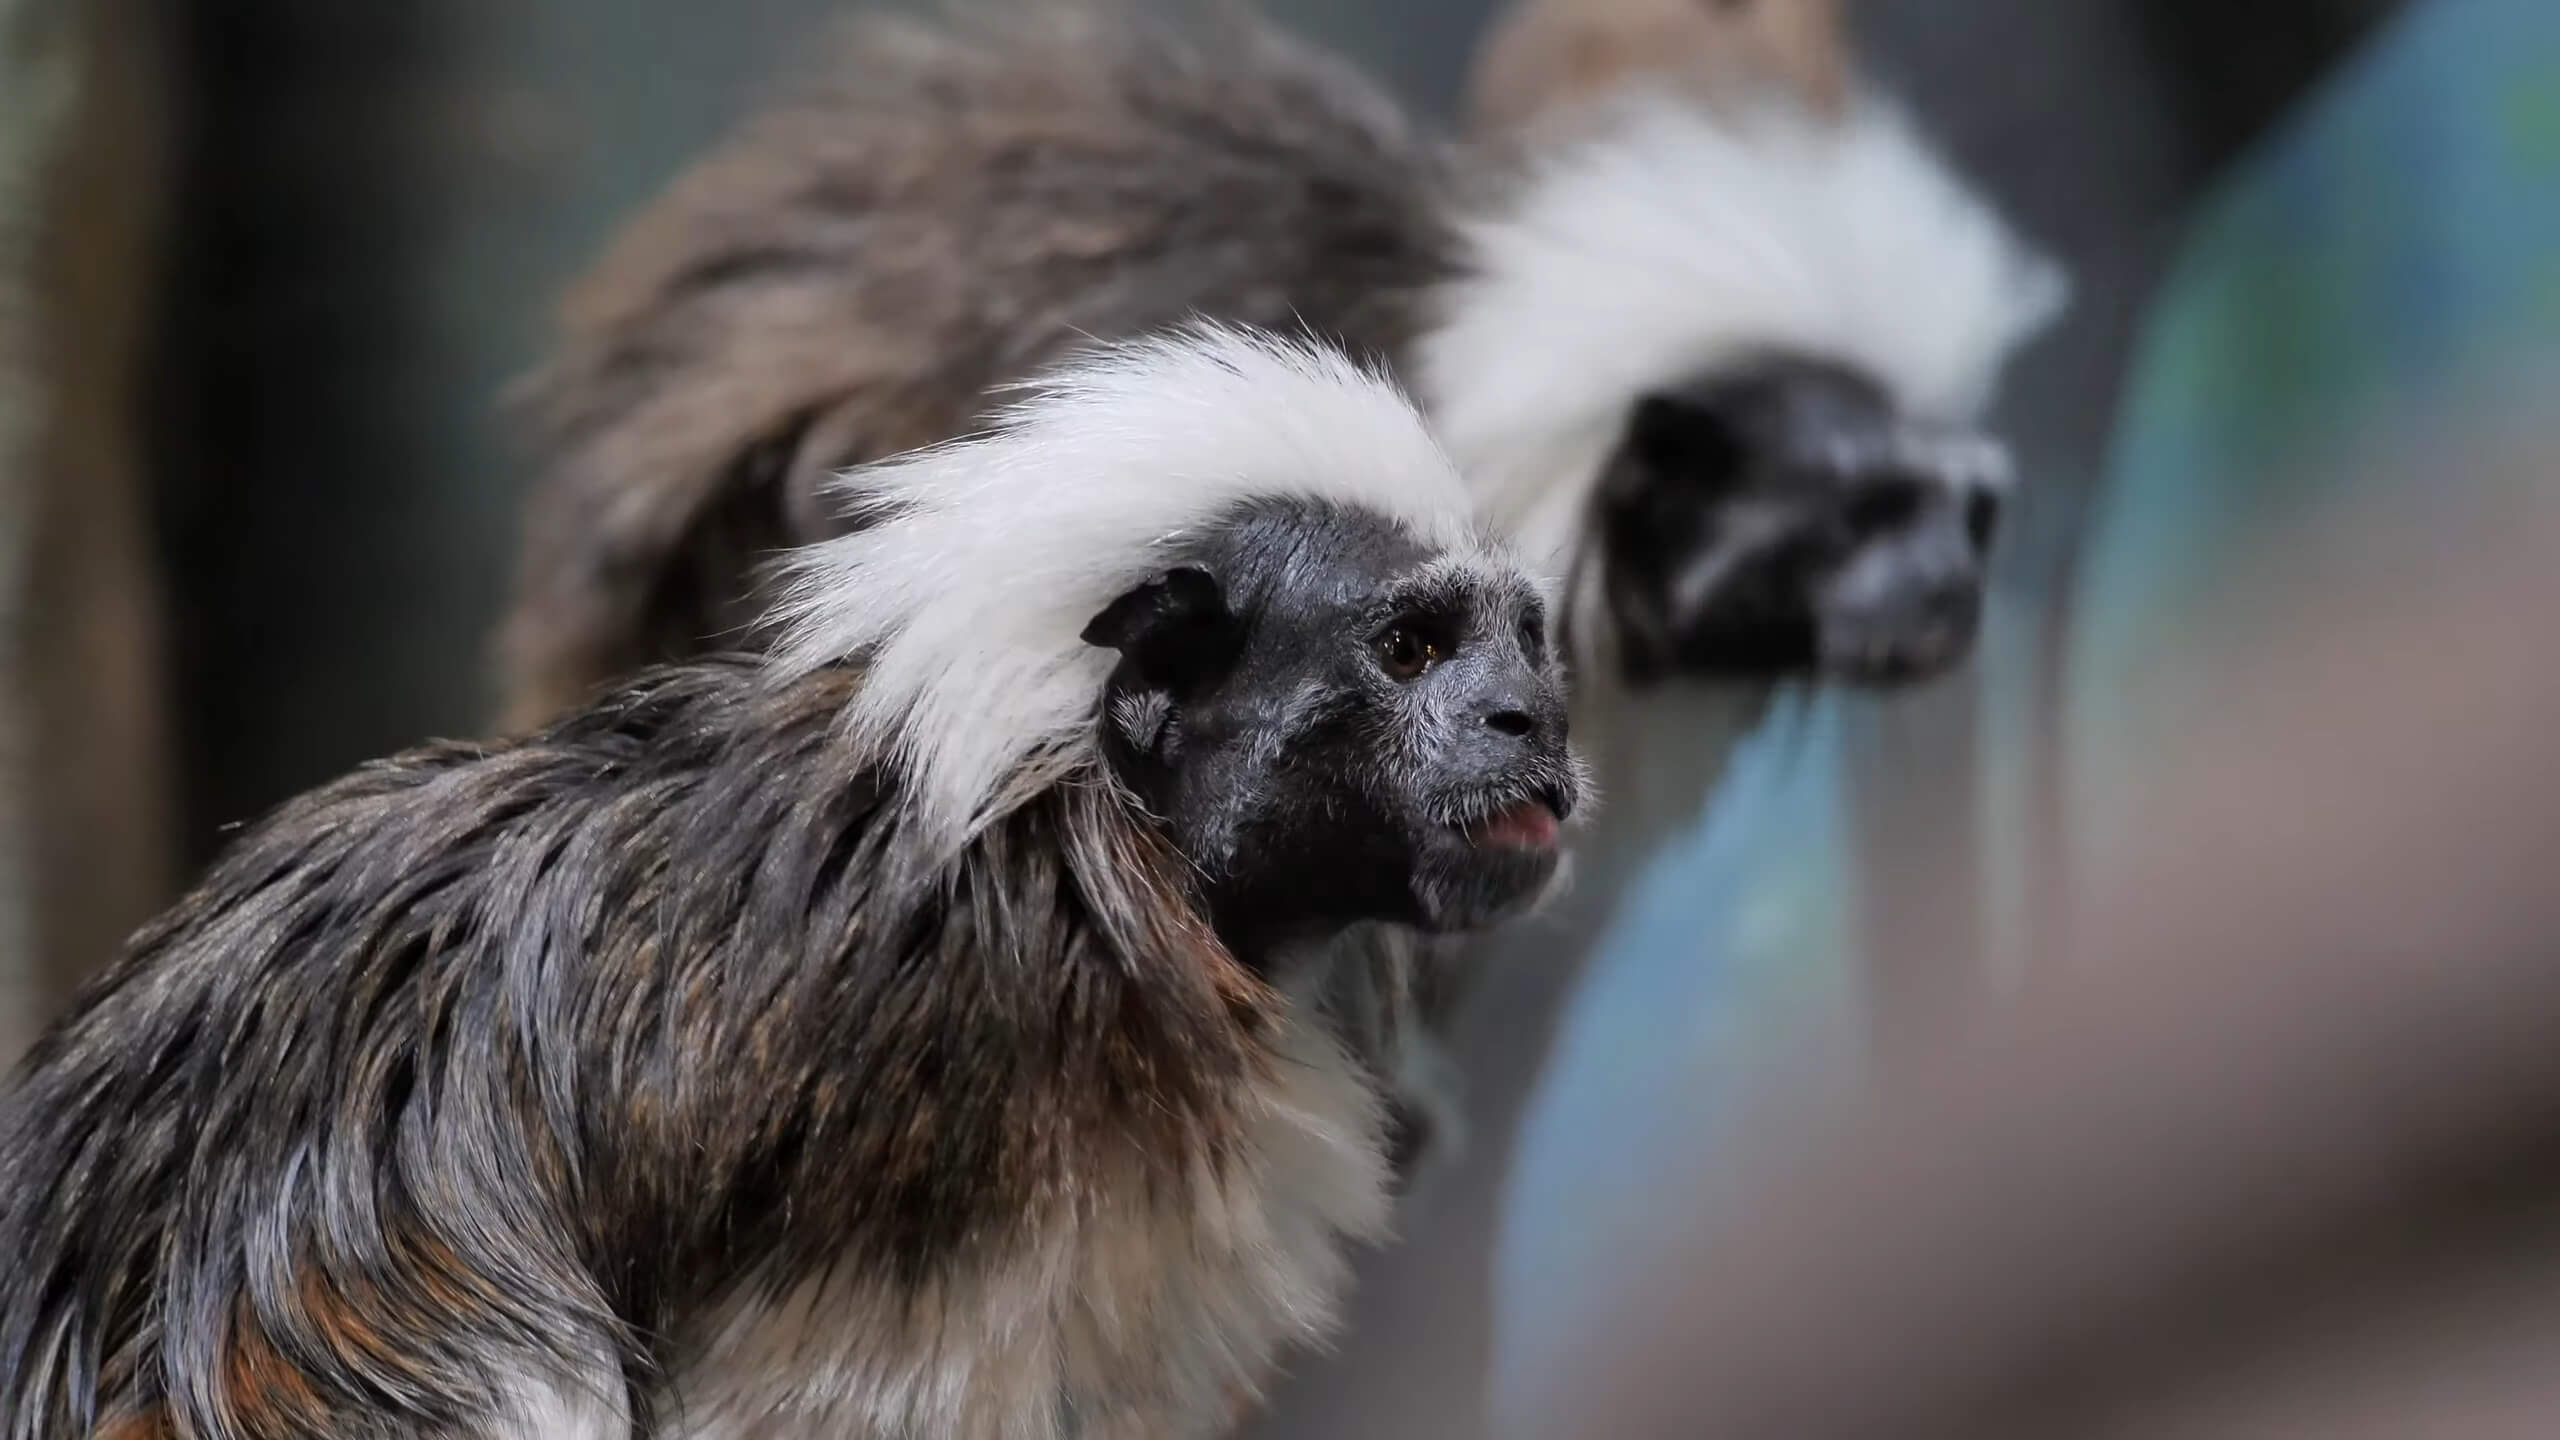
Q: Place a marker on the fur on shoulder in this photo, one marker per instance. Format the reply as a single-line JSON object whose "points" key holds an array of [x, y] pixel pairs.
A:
{"points": [[966, 604], [1660, 238]]}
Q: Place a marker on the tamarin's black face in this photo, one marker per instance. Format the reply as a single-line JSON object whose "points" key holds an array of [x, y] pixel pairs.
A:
{"points": [[1338, 723], [1785, 519]]}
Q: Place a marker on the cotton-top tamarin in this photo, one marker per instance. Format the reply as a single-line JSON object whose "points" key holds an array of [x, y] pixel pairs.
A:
{"points": [[910, 1032]]}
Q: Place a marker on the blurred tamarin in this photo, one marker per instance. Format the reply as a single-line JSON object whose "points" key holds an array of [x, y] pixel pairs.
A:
{"points": [[2263, 1146], [902, 1034], [1719, 364]]}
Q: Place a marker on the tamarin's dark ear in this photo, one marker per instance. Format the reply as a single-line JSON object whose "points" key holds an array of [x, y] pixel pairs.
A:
{"points": [[1684, 436], [1172, 632]]}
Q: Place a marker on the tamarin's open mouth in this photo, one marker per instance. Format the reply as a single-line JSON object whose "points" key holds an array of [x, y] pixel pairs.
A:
{"points": [[1529, 825]]}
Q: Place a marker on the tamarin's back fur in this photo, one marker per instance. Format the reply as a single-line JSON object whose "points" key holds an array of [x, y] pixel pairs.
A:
{"points": [[936, 212]]}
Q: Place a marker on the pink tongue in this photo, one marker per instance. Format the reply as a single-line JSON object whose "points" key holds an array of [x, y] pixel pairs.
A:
{"points": [[1529, 826]]}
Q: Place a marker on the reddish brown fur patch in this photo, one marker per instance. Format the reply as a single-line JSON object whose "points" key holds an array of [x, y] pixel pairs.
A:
{"points": [[260, 1392], [151, 1425], [359, 1326], [341, 1324]]}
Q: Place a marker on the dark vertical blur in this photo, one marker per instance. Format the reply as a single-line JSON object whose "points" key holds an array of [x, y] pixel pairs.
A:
{"points": [[84, 786], [378, 202]]}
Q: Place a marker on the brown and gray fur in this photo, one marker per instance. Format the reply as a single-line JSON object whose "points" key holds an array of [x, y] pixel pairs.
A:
{"points": [[423, 1098], [939, 212], [690, 1068]]}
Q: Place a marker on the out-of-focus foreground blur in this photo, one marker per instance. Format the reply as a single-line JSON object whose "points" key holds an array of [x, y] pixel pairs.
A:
{"points": [[2265, 1144], [2142, 1033]]}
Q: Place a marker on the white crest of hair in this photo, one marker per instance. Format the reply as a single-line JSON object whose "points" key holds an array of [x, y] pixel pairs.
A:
{"points": [[1662, 239], [967, 600]]}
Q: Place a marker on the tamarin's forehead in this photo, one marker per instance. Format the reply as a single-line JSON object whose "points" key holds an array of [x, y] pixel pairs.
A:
{"points": [[1482, 581], [1294, 552]]}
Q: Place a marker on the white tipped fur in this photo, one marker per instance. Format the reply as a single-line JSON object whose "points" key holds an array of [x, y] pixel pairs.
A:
{"points": [[1668, 240], [967, 601]]}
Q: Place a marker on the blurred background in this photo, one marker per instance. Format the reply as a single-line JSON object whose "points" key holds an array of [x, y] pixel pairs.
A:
{"points": [[267, 267]]}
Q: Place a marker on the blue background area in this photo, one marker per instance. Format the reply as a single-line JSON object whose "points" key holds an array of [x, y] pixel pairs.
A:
{"points": [[2396, 243]]}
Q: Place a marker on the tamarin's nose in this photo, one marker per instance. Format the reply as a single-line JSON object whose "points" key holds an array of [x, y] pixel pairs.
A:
{"points": [[1515, 707]]}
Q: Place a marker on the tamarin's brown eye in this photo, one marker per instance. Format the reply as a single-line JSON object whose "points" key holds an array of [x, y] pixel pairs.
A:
{"points": [[1405, 653]]}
